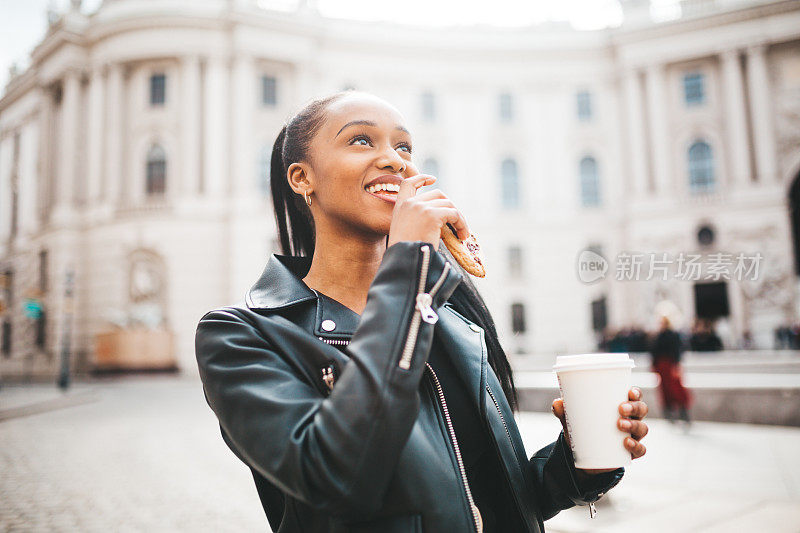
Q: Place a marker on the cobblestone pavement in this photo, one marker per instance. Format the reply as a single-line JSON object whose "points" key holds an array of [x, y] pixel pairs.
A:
{"points": [[146, 455]]}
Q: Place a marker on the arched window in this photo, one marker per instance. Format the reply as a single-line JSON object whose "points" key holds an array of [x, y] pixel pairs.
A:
{"points": [[590, 182], [156, 170], [264, 159], [701, 168], [510, 184]]}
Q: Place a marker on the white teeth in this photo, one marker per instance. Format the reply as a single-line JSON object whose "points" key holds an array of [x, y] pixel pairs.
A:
{"points": [[384, 187]]}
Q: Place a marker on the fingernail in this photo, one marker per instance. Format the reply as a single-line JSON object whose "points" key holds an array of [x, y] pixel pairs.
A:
{"points": [[625, 424], [627, 408]]}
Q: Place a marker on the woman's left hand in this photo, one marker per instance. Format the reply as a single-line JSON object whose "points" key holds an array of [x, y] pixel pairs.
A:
{"points": [[630, 421]]}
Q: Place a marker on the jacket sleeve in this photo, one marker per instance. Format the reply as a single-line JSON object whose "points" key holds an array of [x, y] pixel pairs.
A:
{"points": [[557, 483], [335, 453]]}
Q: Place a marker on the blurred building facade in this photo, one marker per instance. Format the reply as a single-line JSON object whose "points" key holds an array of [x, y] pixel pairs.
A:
{"points": [[135, 151]]}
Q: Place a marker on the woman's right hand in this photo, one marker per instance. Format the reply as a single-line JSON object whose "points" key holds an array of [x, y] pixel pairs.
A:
{"points": [[420, 218]]}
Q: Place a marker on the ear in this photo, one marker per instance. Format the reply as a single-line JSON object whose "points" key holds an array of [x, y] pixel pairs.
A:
{"points": [[298, 176]]}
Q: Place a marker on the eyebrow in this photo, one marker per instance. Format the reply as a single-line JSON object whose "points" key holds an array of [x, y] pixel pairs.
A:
{"points": [[366, 123]]}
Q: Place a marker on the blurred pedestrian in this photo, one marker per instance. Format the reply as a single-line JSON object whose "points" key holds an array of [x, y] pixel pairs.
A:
{"points": [[666, 350], [704, 338]]}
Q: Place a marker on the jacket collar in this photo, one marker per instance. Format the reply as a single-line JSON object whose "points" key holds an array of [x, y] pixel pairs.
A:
{"points": [[281, 286]]}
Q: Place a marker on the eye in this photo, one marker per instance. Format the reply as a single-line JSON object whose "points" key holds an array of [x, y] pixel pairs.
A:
{"points": [[406, 146], [360, 137]]}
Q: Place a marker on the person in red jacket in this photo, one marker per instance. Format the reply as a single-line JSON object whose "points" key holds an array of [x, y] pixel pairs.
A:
{"points": [[666, 351]]}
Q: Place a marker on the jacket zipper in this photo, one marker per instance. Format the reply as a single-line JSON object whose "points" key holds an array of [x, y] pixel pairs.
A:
{"points": [[422, 308], [477, 520], [341, 342], [502, 418]]}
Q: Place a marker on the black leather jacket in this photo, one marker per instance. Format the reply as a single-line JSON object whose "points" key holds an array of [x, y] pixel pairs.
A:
{"points": [[346, 440]]}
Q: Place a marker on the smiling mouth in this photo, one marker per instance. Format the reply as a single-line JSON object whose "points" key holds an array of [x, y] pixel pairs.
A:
{"points": [[385, 192]]}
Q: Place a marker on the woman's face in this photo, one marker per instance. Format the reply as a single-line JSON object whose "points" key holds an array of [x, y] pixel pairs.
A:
{"points": [[362, 138]]}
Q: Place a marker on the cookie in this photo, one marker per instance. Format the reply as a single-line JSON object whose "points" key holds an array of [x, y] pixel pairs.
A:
{"points": [[467, 252]]}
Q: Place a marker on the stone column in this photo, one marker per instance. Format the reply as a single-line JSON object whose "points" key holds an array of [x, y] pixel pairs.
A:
{"points": [[657, 104], [190, 126], [45, 162], [761, 114], [636, 134], [112, 182], [215, 110], [95, 141], [244, 178], [68, 148], [738, 149]]}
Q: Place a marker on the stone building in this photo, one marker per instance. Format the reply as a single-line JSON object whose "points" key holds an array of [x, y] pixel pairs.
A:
{"points": [[134, 152]]}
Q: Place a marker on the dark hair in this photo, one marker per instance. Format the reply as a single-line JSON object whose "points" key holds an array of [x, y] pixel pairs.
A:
{"points": [[296, 229]]}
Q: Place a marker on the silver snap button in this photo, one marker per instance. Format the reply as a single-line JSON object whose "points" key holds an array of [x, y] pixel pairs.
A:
{"points": [[328, 325], [475, 327]]}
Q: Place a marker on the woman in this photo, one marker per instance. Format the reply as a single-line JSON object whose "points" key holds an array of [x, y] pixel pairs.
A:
{"points": [[666, 351], [362, 380]]}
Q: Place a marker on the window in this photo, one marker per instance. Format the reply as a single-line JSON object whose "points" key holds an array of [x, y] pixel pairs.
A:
{"points": [[269, 91], [43, 271], [158, 89], [599, 314], [517, 318], [6, 342], [510, 184], [515, 262], [596, 248], [264, 160], [693, 89], [428, 103], [41, 330], [7, 282], [705, 235], [584, 101], [506, 107], [701, 168], [156, 170], [590, 183]]}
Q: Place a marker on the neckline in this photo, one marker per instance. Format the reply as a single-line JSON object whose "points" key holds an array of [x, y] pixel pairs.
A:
{"points": [[333, 300]]}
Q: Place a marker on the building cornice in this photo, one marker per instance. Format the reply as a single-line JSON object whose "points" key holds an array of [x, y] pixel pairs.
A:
{"points": [[622, 36], [19, 87]]}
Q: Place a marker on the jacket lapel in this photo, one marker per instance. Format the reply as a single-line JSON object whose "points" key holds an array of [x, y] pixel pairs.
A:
{"points": [[464, 347]]}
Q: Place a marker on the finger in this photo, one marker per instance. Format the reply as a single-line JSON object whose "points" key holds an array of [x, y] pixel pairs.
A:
{"points": [[453, 216], [433, 194], [636, 428], [558, 407], [635, 393], [633, 409], [446, 202], [637, 449], [409, 186]]}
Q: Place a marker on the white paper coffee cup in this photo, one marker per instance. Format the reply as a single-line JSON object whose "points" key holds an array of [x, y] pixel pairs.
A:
{"points": [[592, 387]]}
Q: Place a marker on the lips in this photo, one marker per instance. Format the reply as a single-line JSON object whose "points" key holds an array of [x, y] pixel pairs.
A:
{"points": [[384, 187], [386, 196]]}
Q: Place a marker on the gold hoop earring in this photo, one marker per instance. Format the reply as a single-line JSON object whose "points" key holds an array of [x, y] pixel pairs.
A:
{"points": [[308, 200]]}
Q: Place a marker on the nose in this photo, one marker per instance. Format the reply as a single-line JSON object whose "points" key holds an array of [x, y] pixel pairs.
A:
{"points": [[390, 159]]}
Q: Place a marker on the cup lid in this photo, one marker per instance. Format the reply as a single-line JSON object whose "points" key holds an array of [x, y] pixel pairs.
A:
{"points": [[593, 360]]}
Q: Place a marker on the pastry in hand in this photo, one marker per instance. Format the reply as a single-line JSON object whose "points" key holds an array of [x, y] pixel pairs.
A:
{"points": [[466, 252]]}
